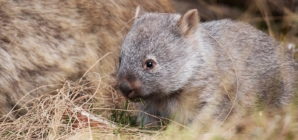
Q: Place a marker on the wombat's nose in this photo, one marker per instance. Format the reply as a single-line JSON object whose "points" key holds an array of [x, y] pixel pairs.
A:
{"points": [[125, 88]]}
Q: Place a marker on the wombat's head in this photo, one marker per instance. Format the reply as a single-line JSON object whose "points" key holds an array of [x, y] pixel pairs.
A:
{"points": [[158, 55]]}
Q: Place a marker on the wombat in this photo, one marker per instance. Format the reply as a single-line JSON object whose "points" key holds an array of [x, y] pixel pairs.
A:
{"points": [[43, 43], [191, 72]]}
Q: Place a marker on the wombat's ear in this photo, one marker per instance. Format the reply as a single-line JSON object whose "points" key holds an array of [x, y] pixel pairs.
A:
{"points": [[139, 11], [189, 22]]}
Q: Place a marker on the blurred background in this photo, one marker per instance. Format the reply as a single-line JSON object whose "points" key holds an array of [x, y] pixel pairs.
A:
{"points": [[278, 18]]}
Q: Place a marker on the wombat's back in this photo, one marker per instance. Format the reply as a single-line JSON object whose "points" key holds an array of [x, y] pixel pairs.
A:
{"points": [[45, 42], [265, 72]]}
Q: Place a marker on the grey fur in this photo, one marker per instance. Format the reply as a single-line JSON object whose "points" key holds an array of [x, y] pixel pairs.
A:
{"points": [[198, 76]]}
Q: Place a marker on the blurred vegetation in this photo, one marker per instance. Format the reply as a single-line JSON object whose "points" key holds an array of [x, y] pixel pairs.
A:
{"points": [[62, 115], [278, 18]]}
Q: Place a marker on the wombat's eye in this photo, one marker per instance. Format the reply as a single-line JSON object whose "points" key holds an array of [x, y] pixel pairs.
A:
{"points": [[149, 64]]}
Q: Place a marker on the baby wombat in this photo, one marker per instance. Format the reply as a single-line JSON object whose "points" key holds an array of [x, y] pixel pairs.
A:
{"points": [[197, 72]]}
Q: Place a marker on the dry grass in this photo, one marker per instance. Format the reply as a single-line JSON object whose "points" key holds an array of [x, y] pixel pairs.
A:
{"points": [[79, 110], [59, 114], [90, 108], [283, 28]]}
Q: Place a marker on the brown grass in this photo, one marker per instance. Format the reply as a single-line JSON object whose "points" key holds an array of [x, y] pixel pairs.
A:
{"points": [[84, 110], [90, 108], [59, 113], [80, 110]]}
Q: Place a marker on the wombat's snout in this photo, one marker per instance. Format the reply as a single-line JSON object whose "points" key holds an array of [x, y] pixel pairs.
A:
{"points": [[127, 90]]}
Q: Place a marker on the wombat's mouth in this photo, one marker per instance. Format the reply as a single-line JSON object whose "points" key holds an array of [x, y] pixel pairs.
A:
{"points": [[137, 99], [157, 96], [134, 98], [151, 96]]}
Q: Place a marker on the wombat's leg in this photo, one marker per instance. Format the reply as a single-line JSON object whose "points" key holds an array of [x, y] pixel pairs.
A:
{"points": [[148, 117], [289, 73]]}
